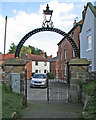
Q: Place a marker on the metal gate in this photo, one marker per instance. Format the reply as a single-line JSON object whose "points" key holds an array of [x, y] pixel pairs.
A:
{"points": [[57, 90]]}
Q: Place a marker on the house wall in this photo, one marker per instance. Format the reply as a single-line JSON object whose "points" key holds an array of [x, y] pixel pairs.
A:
{"points": [[40, 66], [29, 69], [89, 23], [95, 42], [54, 68], [65, 44]]}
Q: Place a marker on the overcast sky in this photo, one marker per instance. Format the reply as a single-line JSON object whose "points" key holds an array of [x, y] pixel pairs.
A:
{"points": [[24, 17]]}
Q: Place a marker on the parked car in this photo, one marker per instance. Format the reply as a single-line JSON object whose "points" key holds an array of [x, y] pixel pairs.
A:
{"points": [[38, 80]]}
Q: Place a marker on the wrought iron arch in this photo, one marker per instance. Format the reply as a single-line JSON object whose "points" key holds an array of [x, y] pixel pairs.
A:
{"points": [[19, 46]]}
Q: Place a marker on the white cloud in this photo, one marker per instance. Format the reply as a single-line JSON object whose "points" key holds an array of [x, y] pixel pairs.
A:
{"points": [[14, 11], [23, 23]]}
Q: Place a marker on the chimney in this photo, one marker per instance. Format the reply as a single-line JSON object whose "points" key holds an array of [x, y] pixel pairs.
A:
{"points": [[83, 13], [42, 54], [49, 56], [74, 23], [25, 52]]}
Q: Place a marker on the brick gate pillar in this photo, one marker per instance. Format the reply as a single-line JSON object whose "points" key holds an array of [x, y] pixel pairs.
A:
{"points": [[15, 66], [78, 73]]}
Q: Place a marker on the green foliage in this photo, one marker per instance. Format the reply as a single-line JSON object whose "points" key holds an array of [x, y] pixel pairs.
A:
{"points": [[30, 50], [22, 50], [89, 88], [34, 50], [33, 74], [0, 52], [7, 88], [46, 55], [11, 102], [51, 75], [90, 108], [12, 48]]}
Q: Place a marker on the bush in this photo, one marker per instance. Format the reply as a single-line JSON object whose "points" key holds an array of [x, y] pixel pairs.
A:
{"points": [[51, 75], [33, 74]]}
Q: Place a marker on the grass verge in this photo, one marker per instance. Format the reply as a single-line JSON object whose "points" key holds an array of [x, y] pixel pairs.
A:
{"points": [[11, 102]]}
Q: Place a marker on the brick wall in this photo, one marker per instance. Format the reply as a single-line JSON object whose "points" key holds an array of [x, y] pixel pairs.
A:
{"points": [[29, 69], [65, 44], [54, 68]]}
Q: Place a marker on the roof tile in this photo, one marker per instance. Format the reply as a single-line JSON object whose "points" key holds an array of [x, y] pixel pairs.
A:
{"points": [[37, 57]]}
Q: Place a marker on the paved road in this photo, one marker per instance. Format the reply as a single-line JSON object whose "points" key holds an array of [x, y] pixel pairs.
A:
{"points": [[38, 107], [36, 93], [53, 109], [57, 91]]}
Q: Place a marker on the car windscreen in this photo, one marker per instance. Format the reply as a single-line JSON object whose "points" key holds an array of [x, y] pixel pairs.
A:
{"points": [[39, 76]]}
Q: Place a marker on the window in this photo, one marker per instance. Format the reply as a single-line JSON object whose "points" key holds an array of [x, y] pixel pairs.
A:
{"points": [[61, 68], [89, 39], [36, 71], [45, 63], [60, 56], [36, 62], [65, 70], [73, 54], [55, 72], [64, 54], [64, 42], [60, 45], [39, 71], [45, 71], [89, 42], [73, 35]]}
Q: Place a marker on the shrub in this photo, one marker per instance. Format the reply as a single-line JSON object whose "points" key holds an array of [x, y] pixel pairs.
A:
{"points": [[33, 74], [51, 75]]}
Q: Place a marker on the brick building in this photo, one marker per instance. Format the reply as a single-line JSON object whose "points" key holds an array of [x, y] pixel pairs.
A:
{"points": [[36, 64], [54, 66], [65, 50], [2, 58]]}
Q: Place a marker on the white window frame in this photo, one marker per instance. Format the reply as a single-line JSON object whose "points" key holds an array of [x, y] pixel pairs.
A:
{"points": [[89, 34]]}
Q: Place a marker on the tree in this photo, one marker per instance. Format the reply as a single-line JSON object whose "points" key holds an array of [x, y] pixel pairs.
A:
{"points": [[30, 50], [22, 50], [36, 51], [0, 52], [12, 48]]}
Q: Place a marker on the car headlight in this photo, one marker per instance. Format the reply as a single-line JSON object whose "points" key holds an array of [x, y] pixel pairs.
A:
{"points": [[32, 82], [44, 82]]}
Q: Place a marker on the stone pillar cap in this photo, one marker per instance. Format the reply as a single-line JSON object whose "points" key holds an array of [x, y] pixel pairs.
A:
{"points": [[79, 62], [15, 62]]}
